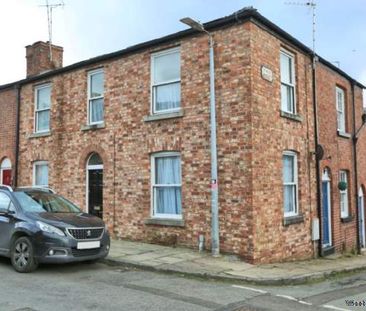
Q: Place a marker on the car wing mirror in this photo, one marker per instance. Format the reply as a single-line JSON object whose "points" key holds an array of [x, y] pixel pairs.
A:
{"points": [[6, 212]]}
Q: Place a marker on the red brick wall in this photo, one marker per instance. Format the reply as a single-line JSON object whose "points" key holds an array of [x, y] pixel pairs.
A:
{"points": [[126, 142], [39, 58], [339, 151], [361, 143], [7, 125], [252, 136], [272, 135]]}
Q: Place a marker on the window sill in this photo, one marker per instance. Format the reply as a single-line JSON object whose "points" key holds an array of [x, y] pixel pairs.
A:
{"points": [[346, 219], [344, 134], [93, 127], [165, 222], [291, 220], [41, 134], [163, 116], [291, 116]]}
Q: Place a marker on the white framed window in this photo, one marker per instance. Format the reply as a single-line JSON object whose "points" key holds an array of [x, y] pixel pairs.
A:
{"points": [[42, 108], [166, 185], [96, 96], [165, 81], [288, 96], [341, 112], [343, 195], [290, 183], [40, 173]]}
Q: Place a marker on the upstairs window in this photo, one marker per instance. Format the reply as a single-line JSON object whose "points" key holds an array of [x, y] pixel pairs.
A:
{"points": [[96, 97], [341, 113], [165, 75], [40, 174], [287, 82], [290, 183], [343, 176], [42, 109]]}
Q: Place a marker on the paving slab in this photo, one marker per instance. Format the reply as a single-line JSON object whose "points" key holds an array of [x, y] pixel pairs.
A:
{"points": [[191, 262]]}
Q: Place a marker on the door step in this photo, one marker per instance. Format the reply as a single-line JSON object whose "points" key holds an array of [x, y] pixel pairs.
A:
{"points": [[328, 251]]}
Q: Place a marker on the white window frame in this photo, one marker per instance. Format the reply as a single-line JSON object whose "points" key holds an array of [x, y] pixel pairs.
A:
{"points": [[293, 78], [36, 110], [39, 163], [343, 195], [153, 185], [90, 99], [295, 183], [153, 85], [340, 91]]}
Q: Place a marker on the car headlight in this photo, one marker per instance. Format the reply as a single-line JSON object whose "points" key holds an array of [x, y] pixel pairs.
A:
{"points": [[50, 229]]}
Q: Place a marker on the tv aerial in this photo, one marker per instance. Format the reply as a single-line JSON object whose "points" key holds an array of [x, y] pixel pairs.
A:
{"points": [[312, 5], [50, 7]]}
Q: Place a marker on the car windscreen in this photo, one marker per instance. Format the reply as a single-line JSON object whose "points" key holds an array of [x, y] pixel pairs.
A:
{"points": [[44, 202]]}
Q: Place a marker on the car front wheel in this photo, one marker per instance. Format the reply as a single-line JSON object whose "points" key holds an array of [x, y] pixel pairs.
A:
{"points": [[22, 255]]}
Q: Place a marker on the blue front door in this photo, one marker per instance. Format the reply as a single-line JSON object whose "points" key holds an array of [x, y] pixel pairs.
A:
{"points": [[326, 213]]}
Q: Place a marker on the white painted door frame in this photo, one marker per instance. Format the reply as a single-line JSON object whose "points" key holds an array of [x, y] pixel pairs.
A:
{"points": [[90, 168], [361, 206]]}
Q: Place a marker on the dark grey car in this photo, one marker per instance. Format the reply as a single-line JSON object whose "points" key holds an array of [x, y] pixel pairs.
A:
{"points": [[39, 226]]}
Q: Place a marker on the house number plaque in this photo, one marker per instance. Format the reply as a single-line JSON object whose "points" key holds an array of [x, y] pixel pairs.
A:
{"points": [[267, 73]]}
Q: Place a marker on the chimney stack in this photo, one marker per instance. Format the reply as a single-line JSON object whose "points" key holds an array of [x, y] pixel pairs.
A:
{"points": [[39, 58]]}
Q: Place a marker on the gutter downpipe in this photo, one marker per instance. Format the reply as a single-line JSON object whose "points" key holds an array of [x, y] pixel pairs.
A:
{"points": [[17, 88], [214, 176], [215, 235], [317, 160], [355, 167]]}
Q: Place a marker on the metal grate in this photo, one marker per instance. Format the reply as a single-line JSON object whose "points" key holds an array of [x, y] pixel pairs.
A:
{"points": [[85, 252], [86, 233]]}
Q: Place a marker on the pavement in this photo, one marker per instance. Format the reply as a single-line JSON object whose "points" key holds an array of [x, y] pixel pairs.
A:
{"points": [[190, 262]]}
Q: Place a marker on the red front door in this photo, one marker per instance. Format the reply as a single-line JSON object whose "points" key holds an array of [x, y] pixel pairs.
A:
{"points": [[6, 177]]}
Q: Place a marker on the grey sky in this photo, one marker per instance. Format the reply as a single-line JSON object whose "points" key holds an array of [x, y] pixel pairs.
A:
{"points": [[88, 28]]}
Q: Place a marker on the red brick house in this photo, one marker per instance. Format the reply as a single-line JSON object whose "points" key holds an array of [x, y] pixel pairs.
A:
{"points": [[126, 136], [340, 111]]}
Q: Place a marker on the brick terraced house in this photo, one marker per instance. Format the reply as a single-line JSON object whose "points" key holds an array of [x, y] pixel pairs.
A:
{"points": [[126, 136]]}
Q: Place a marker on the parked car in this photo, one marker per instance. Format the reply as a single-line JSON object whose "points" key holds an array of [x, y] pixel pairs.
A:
{"points": [[40, 226]]}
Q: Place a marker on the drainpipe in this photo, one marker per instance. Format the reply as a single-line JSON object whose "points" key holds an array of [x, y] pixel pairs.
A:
{"points": [[215, 235], [15, 181], [317, 160], [355, 166]]}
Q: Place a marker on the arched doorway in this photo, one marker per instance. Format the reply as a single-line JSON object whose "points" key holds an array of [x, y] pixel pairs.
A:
{"points": [[326, 210], [361, 211], [5, 172], [94, 182]]}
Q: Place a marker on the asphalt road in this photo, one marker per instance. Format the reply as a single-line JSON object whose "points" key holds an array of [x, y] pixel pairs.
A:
{"points": [[101, 287]]}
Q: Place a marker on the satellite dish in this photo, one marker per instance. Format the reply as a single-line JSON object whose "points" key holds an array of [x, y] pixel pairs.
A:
{"points": [[319, 153]]}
